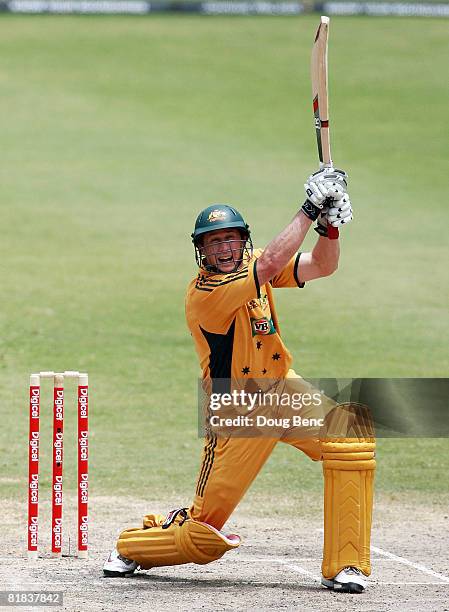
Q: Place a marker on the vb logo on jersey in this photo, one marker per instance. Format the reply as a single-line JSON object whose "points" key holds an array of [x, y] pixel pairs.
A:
{"points": [[262, 327]]}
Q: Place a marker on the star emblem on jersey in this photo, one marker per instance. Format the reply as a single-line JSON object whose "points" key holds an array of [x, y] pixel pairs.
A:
{"points": [[258, 345], [245, 370], [276, 357]]}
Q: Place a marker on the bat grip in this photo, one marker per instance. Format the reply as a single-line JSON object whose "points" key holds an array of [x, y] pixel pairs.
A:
{"points": [[332, 232]]}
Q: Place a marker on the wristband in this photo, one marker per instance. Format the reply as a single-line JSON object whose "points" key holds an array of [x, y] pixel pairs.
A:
{"points": [[310, 210], [321, 230]]}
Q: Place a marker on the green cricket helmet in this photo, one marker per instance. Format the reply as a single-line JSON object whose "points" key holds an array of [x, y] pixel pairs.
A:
{"points": [[220, 217]]}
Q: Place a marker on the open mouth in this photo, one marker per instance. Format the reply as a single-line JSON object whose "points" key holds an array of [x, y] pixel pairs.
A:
{"points": [[225, 260]]}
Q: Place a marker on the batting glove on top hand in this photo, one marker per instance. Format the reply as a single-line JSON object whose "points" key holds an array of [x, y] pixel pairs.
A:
{"points": [[321, 188], [330, 174]]}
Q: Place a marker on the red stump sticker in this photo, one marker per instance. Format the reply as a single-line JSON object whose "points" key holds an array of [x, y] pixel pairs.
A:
{"points": [[83, 477], [33, 468]]}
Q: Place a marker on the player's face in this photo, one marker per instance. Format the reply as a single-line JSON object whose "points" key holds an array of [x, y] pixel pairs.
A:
{"points": [[223, 249]]}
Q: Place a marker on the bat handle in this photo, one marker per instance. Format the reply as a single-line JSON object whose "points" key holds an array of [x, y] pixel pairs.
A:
{"points": [[332, 232]]}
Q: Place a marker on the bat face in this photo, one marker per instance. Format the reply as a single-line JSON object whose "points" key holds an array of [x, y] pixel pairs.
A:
{"points": [[319, 92], [320, 101]]}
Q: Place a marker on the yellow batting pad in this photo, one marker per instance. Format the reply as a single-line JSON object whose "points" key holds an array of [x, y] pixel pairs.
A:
{"points": [[347, 447], [348, 467], [187, 541]]}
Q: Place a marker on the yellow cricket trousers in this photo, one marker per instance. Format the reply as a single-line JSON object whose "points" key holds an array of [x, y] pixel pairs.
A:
{"points": [[230, 464]]}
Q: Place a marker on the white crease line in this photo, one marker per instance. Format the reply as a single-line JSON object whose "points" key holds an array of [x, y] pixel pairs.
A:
{"points": [[402, 584], [421, 568], [299, 569]]}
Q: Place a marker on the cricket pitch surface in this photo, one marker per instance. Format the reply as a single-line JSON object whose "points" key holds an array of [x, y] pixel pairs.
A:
{"points": [[276, 567]]}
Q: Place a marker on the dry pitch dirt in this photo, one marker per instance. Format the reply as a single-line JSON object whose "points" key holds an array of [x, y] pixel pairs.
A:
{"points": [[277, 567]]}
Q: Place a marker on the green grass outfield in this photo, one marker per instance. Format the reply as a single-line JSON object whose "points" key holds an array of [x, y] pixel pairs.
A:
{"points": [[116, 131]]}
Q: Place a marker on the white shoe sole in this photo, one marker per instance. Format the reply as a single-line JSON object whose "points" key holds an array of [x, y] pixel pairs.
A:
{"points": [[342, 587], [115, 574]]}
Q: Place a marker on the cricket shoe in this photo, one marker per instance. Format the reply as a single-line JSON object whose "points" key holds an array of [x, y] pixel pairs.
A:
{"points": [[118, 567], [349, 580]]}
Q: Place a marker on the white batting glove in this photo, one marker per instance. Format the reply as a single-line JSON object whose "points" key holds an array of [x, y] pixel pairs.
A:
{"points": [[316, 193], [330, 174], [336, 207], [321, 188], [340, 210]]}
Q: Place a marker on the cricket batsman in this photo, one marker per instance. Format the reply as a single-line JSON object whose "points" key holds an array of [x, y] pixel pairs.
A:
{"points": [[231, 314]]}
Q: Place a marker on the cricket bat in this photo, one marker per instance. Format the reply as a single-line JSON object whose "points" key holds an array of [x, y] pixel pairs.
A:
{"points": [[321, 101]]}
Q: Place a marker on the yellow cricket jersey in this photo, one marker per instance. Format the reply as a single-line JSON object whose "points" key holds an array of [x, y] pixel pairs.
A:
{"points": [[234, 324]]}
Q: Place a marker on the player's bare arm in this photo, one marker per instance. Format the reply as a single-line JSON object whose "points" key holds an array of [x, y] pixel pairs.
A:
{"points": [[321, 261], [282, 248], [327, 202]]}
